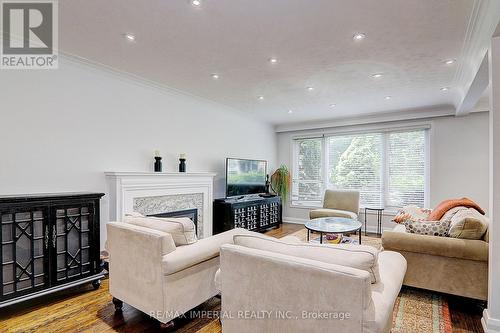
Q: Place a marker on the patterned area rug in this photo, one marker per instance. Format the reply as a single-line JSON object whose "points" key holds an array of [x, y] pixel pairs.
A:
{"points": [[419, 311], [415, 311]]}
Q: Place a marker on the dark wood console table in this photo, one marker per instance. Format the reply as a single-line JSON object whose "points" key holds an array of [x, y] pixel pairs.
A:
{"points": [[252, 213]]}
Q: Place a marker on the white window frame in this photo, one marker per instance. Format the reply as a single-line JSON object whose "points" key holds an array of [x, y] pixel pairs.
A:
{"points": [[385, 172], [307, 204]]}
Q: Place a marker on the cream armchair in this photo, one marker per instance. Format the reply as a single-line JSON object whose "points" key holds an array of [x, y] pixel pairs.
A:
{"points": [[338, 203], [149, 272]]}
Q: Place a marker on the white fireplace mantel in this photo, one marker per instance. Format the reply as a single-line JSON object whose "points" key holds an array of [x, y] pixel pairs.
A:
{"points": [[123, 187]]}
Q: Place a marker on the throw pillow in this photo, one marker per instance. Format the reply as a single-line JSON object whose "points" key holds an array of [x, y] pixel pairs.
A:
{"points": [[411, 212], [449, 214], [468, 224], [362, 257], [182, 229], [431, 228]]}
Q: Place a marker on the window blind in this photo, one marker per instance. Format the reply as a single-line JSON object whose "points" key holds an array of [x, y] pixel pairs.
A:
{"points": [[406, 168], [307, 174], [387, 167], [354, 162]]}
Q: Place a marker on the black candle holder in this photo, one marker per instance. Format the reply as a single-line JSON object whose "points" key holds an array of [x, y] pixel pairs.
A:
{"points": [[182, 165], [158, 166]]}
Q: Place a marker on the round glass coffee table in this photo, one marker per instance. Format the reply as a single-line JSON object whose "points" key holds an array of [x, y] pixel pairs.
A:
{"points": [[333, 225]]}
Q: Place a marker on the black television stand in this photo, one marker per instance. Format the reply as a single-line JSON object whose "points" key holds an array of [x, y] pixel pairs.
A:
{"points": [[254, 213]]}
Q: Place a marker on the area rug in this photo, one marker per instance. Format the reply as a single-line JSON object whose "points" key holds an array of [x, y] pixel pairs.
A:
{"points": [[365, 240], [419, 311], [415, 311]]}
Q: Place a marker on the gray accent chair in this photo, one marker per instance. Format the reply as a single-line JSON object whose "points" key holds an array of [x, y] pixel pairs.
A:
{"points": [[338, 203]]}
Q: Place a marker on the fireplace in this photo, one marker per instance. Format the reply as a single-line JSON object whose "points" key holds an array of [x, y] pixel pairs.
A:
{"points": [[189, 213], [165, 193]]}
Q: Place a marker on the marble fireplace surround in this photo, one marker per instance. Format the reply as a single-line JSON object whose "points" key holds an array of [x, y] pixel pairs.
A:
{"points": [[160, 192]]}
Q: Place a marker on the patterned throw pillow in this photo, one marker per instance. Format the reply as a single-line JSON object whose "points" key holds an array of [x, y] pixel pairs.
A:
{"points": [[431, 228], [411, 212]]}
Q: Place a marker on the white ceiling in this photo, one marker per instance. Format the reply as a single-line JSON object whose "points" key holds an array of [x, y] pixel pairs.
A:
{"points": [[179, 46]]}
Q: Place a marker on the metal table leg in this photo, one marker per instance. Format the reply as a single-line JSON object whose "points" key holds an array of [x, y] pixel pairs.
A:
{"points": [[379, 222], [365, 222], [321, 238], [308, 231]]}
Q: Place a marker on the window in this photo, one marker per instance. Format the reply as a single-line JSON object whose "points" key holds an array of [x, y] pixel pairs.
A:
{"points": [[307, 173], [387, 167], [406, 169], [355, 162]]}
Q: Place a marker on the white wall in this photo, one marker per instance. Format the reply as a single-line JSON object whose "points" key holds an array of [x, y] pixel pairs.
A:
{"points": [[60, 130], [458, 161]]}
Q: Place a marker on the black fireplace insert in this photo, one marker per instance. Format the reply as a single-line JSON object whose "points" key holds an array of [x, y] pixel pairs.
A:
{"points": [[190, 213]]}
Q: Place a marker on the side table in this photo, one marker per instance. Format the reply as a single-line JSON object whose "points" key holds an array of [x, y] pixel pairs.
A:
{"points": [[379, 211]]}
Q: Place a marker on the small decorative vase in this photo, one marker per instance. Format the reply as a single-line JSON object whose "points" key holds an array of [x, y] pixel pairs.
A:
{"points": [[267, 184], [158, 164], [182, 163]]}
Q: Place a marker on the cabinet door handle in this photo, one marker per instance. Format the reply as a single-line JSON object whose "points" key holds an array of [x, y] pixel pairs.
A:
{"points": [[54, 237], [46, 237]]}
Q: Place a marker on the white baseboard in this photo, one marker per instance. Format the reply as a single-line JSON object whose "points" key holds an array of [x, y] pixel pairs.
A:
{"points": [[490, 325], [370, 228], [294, 220]]}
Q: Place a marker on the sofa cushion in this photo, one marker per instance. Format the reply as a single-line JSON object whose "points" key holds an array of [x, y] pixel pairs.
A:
{"points": [[204, 249], [468, 224], [449, 214], [325, 212], [182, 229], [356, 256], [432, 228], [411, 212]]}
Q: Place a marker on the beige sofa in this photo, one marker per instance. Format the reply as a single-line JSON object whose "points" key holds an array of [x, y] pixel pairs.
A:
{"points": [[149, 272], [272, 291], [444, 264], [338, 203]]}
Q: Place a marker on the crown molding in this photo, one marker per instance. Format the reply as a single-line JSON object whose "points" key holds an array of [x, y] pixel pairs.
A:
{"points": [[483, 21], [373, 118], [143, 82]]}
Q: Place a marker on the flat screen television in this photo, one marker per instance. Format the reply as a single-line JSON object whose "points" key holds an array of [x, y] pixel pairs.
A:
{"points": [[245, 177]]}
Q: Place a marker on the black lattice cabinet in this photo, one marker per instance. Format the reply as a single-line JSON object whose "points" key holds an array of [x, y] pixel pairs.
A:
{"points": [[49, 242]]}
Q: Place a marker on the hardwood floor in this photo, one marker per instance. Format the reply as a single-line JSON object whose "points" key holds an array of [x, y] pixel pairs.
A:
{"points": [[86, 310]]}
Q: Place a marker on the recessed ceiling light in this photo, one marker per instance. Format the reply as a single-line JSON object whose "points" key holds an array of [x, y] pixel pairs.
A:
{"points": [[359, 36], [387, 98], [449, 61], [290, 111], [260, 98], [310, 88], [377, 75], [273, 60], [129, 37], [215, 76], [333, 105], [196, 2], [444, 89]]}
